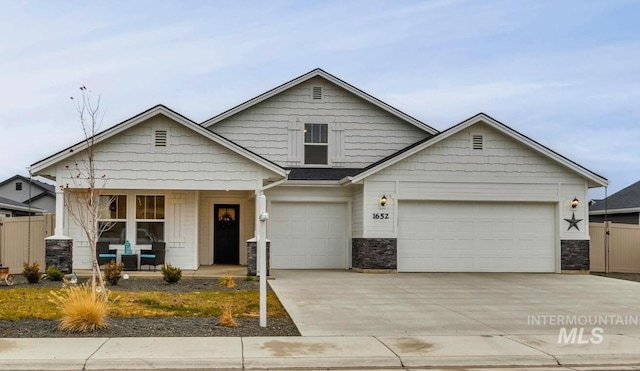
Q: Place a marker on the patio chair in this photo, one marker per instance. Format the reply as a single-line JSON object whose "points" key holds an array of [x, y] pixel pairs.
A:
{"points": [[154, 257], [104, 253]]}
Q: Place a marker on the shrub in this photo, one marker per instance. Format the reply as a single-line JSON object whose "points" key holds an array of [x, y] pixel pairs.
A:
{"points": [[170, 273], [227, 281], [82, 310], [31, 272], [54, 273], [113, 272], [250, 278], [226, 319]]}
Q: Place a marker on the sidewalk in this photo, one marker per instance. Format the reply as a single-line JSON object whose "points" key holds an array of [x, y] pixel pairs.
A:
{"points": [[415, 352]]}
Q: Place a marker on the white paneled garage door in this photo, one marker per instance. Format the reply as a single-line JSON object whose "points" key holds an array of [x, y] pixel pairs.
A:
{"points": [[308, 235], [476, 237]]}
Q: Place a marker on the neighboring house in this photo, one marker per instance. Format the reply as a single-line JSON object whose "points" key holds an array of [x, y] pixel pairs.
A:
{"points": [[10, 208], [621, 207], [23, 190], [351, 182]]}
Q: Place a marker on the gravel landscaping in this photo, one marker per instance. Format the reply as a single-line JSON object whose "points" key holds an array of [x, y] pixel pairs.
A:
{"points": [[152, 326], [620, 276]]}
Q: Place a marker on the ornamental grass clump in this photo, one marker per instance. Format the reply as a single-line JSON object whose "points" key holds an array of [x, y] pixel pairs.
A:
{"points": [[83, 309], [227, 281], [226, 319], [31, 272]]}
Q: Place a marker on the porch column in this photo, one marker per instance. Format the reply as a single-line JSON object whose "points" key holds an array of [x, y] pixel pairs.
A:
{"points": [[59, 231], [59, 248]]}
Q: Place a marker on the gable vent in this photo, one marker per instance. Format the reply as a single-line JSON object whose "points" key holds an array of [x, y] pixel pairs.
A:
{"points": [[161, 138], [316, 93], [477, 142]]}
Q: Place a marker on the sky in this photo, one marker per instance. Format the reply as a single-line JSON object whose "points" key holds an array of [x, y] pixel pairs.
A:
{"points": [[564, 73]]}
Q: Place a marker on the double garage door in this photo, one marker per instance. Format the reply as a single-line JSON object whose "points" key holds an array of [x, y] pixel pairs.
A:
{"points": [[476, 237], [308, 235]]}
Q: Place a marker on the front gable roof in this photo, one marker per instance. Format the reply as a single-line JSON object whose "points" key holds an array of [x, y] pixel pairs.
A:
{"points": [[626, 199], [331, 78], [594, 179], [141, 117]]}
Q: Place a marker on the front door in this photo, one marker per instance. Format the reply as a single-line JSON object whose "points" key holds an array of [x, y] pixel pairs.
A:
{"points": [[226, 234]]}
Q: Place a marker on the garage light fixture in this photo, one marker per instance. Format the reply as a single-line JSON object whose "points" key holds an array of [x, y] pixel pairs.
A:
{"points": [[383, 200], [574, 203]]}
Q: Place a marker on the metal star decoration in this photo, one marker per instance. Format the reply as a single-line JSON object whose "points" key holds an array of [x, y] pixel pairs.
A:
{"points": [[573, 222]]}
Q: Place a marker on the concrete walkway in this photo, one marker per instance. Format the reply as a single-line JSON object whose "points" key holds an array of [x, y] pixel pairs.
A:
{"points": [[315, 353]]}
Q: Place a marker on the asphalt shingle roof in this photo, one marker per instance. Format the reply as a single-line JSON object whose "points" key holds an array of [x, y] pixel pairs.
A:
{"points": [[627, 198], [305, 173]]}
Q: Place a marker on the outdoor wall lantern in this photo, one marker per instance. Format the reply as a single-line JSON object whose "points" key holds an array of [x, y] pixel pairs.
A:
{"points": [[383, 200], [574, 203]]}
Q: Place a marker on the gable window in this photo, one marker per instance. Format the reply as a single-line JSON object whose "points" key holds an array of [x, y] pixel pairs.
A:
{"points": [[316, 144], [112, 221], [149, 219], [18, 186]]}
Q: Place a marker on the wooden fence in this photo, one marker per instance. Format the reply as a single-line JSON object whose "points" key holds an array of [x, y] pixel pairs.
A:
{"points": [[623, 252], [22, 240]]}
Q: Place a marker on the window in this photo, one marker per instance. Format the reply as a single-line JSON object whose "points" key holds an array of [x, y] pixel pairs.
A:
{"points": [[149, 219], [18, 186], [316, 144], [112, 222]]}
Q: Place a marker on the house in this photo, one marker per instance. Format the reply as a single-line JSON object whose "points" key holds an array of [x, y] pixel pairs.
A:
{"points": [[621, 207], [32, 192], [10, 208], [350, 182]]}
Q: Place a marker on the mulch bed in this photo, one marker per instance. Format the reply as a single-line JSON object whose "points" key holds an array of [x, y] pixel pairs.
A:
{"points": [[152, 326]]}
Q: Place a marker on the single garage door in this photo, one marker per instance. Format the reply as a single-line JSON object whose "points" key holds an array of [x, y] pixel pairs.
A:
{"points": [[308, 235], [476, 237]]}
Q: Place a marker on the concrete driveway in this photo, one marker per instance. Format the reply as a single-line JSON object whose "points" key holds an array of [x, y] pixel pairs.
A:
{"points": [[324, 303]]}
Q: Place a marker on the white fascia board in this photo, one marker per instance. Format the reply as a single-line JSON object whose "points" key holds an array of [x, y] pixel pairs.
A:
{"points": [[60, 156], [615, 211], [318, 72], [501, 128]]}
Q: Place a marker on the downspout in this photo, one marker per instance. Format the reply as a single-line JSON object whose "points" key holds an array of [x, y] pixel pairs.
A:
{"points": [[606, 233], [29, 219]]}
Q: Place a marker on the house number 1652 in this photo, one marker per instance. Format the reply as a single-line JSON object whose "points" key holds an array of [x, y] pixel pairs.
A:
{"points": [[380, 216]]}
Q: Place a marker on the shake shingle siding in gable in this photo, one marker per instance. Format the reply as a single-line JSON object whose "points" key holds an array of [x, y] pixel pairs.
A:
{"points": [[364, 132], [189, 161]]}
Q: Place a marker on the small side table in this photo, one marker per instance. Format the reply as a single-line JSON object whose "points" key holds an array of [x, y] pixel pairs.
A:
{"points": [[130, 262]]}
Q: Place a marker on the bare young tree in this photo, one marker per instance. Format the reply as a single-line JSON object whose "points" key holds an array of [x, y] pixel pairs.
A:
{"points": [[83, 198]]}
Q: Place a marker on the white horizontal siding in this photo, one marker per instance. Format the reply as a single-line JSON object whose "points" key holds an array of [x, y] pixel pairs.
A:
{"points": [[190, 161], [369, 135]]}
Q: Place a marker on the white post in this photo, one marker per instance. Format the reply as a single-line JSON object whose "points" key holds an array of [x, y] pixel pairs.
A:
{"points": [[59, 231], [262, 256]]}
